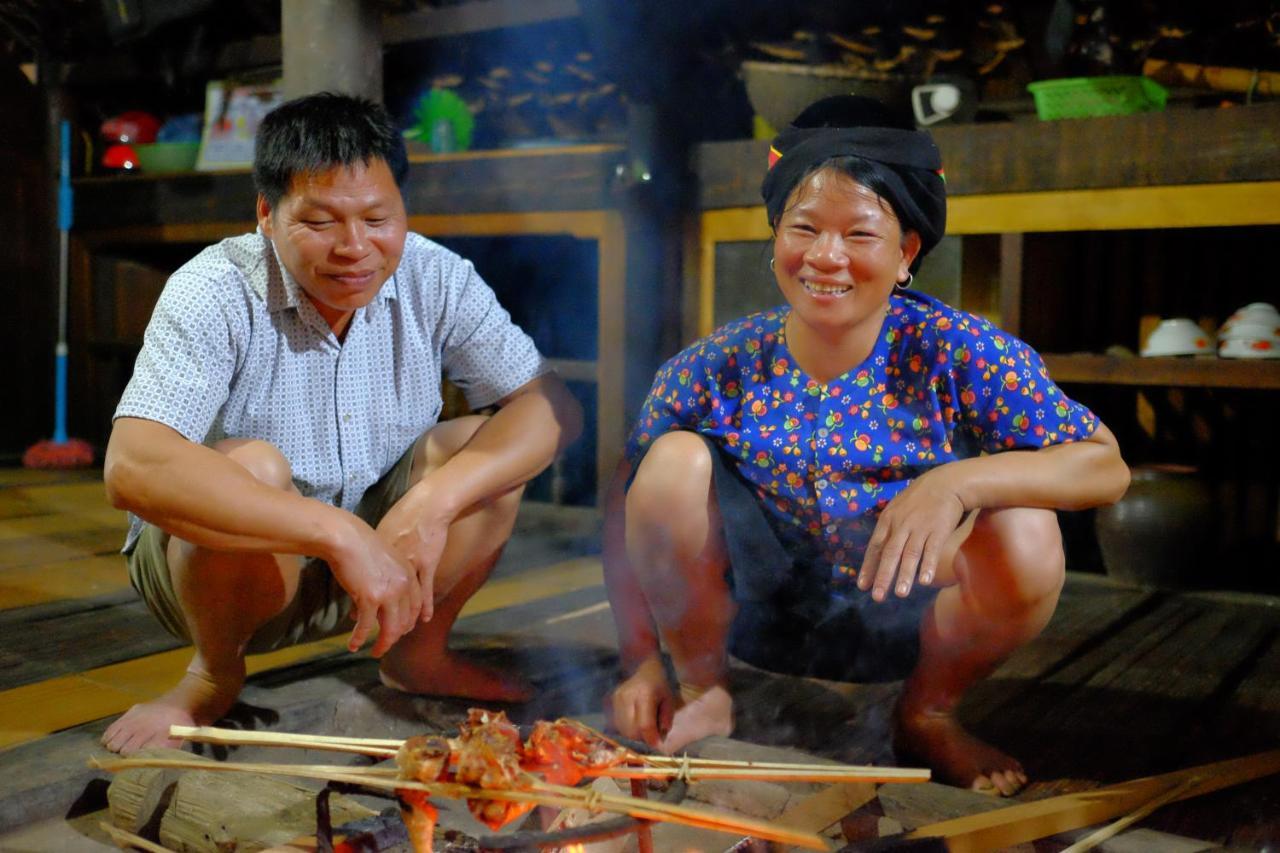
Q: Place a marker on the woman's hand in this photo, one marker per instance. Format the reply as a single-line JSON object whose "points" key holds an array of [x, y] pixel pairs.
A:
{"points": [[641, 707], [910, 534]]}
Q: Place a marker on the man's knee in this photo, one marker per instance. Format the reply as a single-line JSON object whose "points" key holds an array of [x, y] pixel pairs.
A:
{"points": [[260, 458], [672, 482], [440, 443], [1016, 553]]}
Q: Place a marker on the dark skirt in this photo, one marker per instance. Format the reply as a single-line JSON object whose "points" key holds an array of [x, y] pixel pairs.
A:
{"points": [[789, 620]]}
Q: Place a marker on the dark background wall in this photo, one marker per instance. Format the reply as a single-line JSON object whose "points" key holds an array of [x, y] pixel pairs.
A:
{"points": [[27, 268]]}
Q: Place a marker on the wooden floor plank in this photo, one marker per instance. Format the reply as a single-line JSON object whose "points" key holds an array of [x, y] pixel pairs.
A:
{"points": [[1131, 705], [23, 553], [1086, 611], [79, 577], [35, 710], [55, 524], [82, 640]]}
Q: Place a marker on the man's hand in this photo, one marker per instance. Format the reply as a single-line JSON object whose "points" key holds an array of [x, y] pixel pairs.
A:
{"points": [[909, 536], [384, 588], [416, 530], [642, 707]]}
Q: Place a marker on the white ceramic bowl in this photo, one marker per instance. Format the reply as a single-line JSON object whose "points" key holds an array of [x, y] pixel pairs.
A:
{"points": [[1250, 329], [1178, 336], [1260, 313], [1268, 347]]}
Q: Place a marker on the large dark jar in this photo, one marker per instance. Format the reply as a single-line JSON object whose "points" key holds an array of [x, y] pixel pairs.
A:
{"points": [[1163, 531]]}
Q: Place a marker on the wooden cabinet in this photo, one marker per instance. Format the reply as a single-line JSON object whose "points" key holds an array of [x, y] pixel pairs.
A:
{"points": [[131, 231]]}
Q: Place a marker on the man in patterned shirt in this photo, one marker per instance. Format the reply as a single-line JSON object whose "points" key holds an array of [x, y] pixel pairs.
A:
{"points": [[278, 444]]}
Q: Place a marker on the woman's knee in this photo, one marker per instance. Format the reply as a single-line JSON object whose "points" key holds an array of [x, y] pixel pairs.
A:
{"points": [[1015, 553], [260, 458], [672, 481]]}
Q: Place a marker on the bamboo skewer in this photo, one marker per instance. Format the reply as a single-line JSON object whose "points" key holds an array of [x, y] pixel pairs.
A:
{"points": [[661, 766], [540, 793], [803, 773], [238, 737], [1093, 839]]}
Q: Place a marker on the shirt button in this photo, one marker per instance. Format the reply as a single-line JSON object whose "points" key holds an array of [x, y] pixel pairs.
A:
{"points": [[822, 433], [346, 419], [821, 484], [831, 528]]}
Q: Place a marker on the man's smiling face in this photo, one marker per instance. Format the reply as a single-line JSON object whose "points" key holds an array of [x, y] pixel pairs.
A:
{"points": [[340, 234]]}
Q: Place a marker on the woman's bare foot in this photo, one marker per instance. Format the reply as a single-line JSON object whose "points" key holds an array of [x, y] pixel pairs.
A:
{"points": [[197, 700], [451, 674], [702, 714], [956, 757]]}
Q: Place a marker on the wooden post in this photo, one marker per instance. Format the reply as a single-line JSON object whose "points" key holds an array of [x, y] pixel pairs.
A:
{"points": [[1011, 283], [331, 45]]}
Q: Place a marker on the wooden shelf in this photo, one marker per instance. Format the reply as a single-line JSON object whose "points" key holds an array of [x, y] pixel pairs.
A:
{"points": [[1088, 368], [475, 16], [1177, 147], [579, 178]]}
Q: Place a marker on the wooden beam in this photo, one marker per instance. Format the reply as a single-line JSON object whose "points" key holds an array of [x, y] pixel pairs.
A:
{"points": [[583, 224], [473, 17], [1026, 822], [1124, 208], [1164, 372]]}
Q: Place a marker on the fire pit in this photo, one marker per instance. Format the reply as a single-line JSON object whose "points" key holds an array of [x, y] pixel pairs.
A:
{"points": [[387, 830], [502, 773]]}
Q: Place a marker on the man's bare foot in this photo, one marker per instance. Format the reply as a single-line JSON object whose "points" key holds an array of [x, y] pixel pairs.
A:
{"points": [[956, 757], [702, 714], [451, 674], [197, 700]]}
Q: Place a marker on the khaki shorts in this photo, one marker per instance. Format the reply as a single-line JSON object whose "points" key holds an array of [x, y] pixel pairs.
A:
{"points": [[321, 607]]}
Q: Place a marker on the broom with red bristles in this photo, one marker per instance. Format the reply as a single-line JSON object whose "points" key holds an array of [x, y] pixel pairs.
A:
{"points": [[60, 451]]}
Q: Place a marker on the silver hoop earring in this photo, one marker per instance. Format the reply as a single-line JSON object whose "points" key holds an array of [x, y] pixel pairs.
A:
{"points": [[903, 285], [771, 263]]}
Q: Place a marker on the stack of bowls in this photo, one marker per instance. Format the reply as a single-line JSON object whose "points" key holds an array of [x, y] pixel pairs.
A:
{"points": [[1251, 332]]}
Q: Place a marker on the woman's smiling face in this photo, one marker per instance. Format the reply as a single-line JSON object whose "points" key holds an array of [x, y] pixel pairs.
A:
{"points": [[838, 251]]}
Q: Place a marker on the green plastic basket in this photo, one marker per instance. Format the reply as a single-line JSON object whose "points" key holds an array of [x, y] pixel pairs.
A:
{"points": [[1085, 97]]}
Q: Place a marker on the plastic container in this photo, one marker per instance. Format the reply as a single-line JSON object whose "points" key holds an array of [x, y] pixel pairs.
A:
{"points": [[159, 158], [1087, 97]]}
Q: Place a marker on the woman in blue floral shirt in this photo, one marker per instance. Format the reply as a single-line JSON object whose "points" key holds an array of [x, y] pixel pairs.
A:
{"points": [[858, 485]]}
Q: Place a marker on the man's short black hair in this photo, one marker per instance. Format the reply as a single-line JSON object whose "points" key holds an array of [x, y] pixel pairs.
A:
{"points": [[315, 133]]}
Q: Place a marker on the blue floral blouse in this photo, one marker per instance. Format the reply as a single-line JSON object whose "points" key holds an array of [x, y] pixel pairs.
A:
{"points": [[940, 385]]}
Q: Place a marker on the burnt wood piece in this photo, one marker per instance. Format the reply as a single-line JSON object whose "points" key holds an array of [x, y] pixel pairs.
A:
{"points": [[1151, 149]]}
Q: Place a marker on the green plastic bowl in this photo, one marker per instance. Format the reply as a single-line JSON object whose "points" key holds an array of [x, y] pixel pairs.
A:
{"points": [[160, 158]]}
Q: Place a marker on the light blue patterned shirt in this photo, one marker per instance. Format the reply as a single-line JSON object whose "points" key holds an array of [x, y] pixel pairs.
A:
{"points": [[235, 349]]}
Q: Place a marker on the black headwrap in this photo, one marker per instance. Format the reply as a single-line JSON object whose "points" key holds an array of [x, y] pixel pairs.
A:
{"points": [[913, 173]]}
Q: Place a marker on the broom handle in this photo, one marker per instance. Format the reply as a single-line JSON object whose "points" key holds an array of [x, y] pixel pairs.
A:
{"points": [[64, 227]]}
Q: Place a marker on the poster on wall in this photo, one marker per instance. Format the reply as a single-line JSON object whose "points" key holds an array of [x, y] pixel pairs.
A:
{"points": [[232, 111]]}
